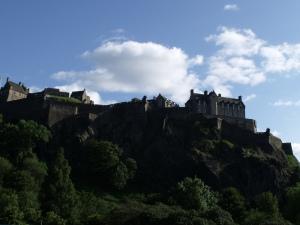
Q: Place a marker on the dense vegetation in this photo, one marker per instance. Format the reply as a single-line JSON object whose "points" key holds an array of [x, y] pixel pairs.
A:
{"points": [[104, 186]]}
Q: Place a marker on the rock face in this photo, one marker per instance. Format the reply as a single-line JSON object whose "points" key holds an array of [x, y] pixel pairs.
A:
{"points": [[169, 147]]}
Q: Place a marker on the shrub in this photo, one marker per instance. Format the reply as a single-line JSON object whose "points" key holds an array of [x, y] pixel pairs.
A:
{"points": [[192, 193]]}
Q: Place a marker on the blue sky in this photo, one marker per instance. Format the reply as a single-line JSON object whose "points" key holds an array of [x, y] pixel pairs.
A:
{"points": [[121, 49]]}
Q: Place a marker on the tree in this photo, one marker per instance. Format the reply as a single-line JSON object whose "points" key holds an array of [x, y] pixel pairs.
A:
{"points": [[101, 156], [266, 211], [5, 168], [10, 212], [292, 206], [61, 196], [192, 193], [36, 168], [21, 180], [104, 160], [266, 202], [21, 138], [51, 218], [233, 201], [119, 176]]}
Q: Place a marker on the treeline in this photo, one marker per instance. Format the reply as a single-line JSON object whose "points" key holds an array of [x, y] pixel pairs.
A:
{"points": [[37, 186]]}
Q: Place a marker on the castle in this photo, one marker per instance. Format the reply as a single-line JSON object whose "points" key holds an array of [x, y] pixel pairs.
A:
{"points": [[12, 91], [57, 105], [214, 104], [51, 106]]}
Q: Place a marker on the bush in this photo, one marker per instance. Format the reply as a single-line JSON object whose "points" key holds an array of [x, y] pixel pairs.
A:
{"points": [[52, 218], [10, 212], [233, 201], [5, 168], [104, 161], [267, 203], [192, 193], [292, 209]]}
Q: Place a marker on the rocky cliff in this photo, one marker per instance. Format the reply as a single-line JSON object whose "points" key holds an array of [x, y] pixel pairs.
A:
{"points": [[171, 146]]}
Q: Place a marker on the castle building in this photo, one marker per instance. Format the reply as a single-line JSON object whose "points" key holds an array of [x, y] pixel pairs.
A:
{"points": [[216, 105], [82, 96], [48, 93], [162, 102], [12, 91]]}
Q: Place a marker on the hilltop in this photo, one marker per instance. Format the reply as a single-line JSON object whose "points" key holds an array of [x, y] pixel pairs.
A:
{"points": [[146, 161]]}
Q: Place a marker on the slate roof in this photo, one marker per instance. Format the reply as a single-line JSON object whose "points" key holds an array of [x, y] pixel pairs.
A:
{"points": [[77, 93], [17, 87]]}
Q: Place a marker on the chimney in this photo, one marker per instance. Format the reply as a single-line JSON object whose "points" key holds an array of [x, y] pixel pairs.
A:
{"points": [[219, 95], [192, 92], [205, 92], [240, 98]]}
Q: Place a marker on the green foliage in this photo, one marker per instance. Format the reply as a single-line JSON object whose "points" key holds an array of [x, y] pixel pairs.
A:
{"points": [[28, 134], [206, 145], [36, 168], [104, 160], [234, 202], [61, 196], [292, 206], [192, 193], [102, 156], [227, 144], [131, 167], [93, 207], [267, 203], [293, 163], [219, 216], [34, 131], [5, 168], [119, 176], [30, 205], [36, 187], [21, 180], [65, 99], [51, 218], [266, 211], [10, 212]]}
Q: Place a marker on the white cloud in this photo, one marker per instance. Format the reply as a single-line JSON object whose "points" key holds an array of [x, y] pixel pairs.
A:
{"points": [[281, 58], [241, 58], [33, 89], [296, 150], [286, 103], [196, 61], [236, 42], [276, 133], [234, 62], [250, 97], [95, 96], [244, 59], [231, 7], [136, 67]]}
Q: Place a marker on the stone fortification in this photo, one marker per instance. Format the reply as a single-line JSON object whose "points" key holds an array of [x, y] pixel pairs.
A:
{"points": [[51, 106]]}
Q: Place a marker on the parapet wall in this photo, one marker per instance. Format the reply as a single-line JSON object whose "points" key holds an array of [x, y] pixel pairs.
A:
{"points": [[243, 136], [33, 109], [58, 112], [47, 112]]}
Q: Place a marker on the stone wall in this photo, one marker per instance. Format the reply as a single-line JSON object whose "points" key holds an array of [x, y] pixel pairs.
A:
{"points": [[24, 109]]}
